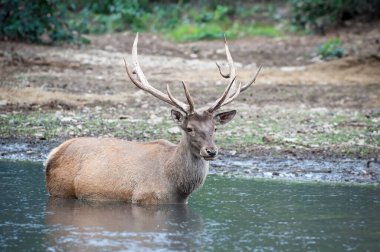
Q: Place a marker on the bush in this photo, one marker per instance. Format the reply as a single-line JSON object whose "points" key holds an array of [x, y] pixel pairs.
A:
{"points": [[331, 49], [53, 20], [318, 15], [111, 15], [32, 20]]}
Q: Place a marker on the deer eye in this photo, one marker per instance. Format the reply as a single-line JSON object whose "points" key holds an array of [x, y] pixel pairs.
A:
{"points": [[215, 129], [189, 129]]}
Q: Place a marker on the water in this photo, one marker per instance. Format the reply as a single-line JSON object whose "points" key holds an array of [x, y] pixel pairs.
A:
{"points": [[227, 214]]}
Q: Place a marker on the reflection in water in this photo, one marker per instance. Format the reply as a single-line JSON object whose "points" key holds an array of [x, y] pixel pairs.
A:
{"points": [[236, 215], [85, 225]]}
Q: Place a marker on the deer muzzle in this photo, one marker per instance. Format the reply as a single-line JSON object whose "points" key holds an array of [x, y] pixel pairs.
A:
{"points": [[209, 153]]}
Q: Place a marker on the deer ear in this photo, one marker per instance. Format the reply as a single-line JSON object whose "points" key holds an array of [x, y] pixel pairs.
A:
{"points": [[177, 116], [224, 117]]}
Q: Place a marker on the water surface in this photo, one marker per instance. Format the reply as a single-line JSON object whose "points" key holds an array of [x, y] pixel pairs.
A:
{"points": [[227, 214]]}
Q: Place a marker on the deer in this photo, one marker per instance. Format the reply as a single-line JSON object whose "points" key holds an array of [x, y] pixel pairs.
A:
{"points": [[156, 172]]}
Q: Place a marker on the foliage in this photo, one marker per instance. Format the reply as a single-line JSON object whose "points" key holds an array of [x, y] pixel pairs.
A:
{"points": [[53, 20], [33, 20], [183, 21], [317, 15], [331, 49], [190, 32]]}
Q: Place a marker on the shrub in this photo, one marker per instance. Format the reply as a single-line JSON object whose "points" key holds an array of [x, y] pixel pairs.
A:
{"points": [[31, 20], [318, 15], [54, 20], [331, 49]]}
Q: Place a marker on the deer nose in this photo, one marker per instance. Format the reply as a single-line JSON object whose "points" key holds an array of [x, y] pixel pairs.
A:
{"points": [[211, 151]]}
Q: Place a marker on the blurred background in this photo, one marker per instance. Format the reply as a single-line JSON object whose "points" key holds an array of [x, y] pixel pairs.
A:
{"points": [[318, 94]]}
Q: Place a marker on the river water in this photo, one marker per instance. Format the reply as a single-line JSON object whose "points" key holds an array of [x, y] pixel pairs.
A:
{"points": [[227, 214]]}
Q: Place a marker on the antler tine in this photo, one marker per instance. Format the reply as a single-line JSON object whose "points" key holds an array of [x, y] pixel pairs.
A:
{"points": [[233, 97], [220, 101], [188, 97], [240, 89], [232, 70], [252, 81], [226, 98], [231, 66], [231, 76], [175, 102], [130, 75], [143, 82], [226, 76]]}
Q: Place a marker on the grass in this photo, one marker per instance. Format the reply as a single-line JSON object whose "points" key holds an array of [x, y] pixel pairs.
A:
{"points": [[347, 132], [181, 21], [192, 32]]}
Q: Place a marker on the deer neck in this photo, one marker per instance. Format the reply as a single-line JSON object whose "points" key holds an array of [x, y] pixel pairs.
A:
{"points": [[186, 168]]}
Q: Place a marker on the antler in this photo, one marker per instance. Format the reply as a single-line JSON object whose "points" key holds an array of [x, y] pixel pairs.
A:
{"points": [[231, 75], [229, 94], [143, 84]]}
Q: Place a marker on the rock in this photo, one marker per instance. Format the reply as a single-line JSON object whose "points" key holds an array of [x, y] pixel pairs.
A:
{"points": [[233, 152], [40, 135], [289, 139], [361, 142], [3, 103], [195, 49], [219, 51], [267, 174], [109, 48], [174, 130], [292, 68], [67, 119], [155, 119], [58, 115], [316, 59], [267, 139]]}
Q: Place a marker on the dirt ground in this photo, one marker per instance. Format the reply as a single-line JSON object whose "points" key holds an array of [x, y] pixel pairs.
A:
{"points": [[68, 78], [39, 74]]}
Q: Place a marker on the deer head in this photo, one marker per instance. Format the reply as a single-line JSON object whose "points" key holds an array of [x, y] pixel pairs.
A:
{"points": [[198, 126]]}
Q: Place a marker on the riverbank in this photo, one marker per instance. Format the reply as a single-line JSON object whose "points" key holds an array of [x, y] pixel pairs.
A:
{"points": [[285, 167], [301, 112]]}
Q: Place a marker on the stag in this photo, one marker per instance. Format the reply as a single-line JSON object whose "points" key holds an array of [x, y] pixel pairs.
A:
{"points": [[155, 172]]}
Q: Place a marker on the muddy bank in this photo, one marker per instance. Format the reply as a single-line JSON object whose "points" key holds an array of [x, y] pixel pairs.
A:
{"points": [[280, 167], [291, 168]]}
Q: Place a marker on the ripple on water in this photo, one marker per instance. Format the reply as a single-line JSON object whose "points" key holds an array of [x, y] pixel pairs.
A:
{"points": [[227, 214]]}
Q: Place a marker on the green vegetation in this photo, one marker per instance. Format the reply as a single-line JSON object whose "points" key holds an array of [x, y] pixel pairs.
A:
{"points": [[318, 15], [32, 20], [331, 49], [182, 21], [340, 131], [51, 20], [189, 32]]}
